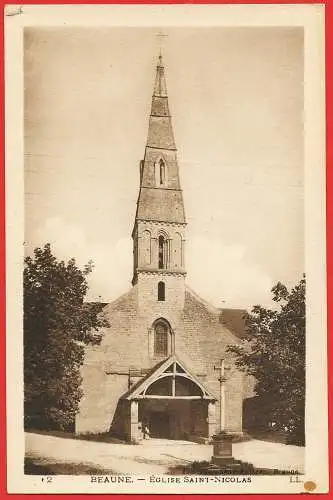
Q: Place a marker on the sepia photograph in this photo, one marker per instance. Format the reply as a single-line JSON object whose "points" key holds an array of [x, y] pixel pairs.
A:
{"points": [[165, 277]]}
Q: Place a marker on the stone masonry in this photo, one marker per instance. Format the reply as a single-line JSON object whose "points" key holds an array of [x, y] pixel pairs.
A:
{"points": [[161, 319]]}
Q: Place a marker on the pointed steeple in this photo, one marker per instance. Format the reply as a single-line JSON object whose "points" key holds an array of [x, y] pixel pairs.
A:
{"points": [[160, 207], [160, 195], [160, 132]]}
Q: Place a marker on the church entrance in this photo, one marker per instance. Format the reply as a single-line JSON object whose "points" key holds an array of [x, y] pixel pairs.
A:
{"points": [[174, 419], [167, 419], [159, 424], [172, 404]]}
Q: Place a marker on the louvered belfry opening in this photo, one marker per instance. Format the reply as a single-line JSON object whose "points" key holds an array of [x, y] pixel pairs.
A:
{"points": [[162, 252]]}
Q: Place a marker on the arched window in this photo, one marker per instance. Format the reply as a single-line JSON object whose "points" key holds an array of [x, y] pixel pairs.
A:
{"points": [[161, 291], [162, 172], [161, 339], [162, 252]]}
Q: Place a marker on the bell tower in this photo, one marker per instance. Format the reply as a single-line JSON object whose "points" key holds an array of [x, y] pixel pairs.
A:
{"points": [[159, 227]]}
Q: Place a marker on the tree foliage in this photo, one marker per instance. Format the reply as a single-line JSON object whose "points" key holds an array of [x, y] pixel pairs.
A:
{"points": [[57, 326], [273, 351]]}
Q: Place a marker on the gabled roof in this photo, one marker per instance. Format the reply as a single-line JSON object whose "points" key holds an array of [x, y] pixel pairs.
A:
{"points": [[171, 367], [234, 319], [212, 312]]}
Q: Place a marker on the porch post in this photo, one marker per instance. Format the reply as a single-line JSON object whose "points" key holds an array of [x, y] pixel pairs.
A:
{"points": [[211, 418], [134, 421]]}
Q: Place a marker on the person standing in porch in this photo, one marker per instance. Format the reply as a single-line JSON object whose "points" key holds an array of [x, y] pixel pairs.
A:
{"points": [[146, 432]]}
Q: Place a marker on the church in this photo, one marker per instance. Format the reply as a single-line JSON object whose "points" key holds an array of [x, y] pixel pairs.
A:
{"points": [[162, 363]]}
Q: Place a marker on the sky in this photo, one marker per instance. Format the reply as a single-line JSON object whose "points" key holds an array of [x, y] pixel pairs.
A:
{"points": [[236, 98]]}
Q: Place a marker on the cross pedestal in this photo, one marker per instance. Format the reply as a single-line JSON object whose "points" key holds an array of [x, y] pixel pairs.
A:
{"points": [[222, 449]]}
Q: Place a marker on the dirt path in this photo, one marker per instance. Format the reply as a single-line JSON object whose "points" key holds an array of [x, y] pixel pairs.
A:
{"points": [[157, 456]]}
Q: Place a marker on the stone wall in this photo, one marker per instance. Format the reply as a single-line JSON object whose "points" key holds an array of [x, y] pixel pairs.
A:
{"points": [[200, 342]]}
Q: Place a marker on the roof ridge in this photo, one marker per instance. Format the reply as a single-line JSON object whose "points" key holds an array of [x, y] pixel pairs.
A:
{"points": [[203, 301], [216, 311], [121, 297]]}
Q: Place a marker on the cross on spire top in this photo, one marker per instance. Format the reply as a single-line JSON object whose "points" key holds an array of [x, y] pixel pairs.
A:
{"points": [[160, 37]]}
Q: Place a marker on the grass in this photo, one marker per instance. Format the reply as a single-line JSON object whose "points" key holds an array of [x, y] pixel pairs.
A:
{"points": [[244, 468], [39, 466], [276, 437]]}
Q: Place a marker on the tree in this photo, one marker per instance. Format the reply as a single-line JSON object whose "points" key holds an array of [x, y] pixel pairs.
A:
{"points": [[273, 351], [57, 326]]}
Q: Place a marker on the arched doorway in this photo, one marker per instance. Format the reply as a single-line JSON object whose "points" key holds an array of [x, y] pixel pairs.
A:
{"points": [[173, 404]]}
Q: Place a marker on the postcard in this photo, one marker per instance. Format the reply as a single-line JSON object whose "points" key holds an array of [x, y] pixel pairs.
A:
{"points": [[165, 235]]}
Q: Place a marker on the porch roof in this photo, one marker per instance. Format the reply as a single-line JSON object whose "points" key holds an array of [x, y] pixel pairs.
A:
{"points": [[171, 368]]}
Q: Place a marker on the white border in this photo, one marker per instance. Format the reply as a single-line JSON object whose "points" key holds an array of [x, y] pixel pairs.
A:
{"points": [[311, 17]]}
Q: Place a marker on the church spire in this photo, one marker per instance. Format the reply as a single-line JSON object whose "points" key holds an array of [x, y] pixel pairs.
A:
{"points": [[160, 134], [160, 201], [160, 196]]}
